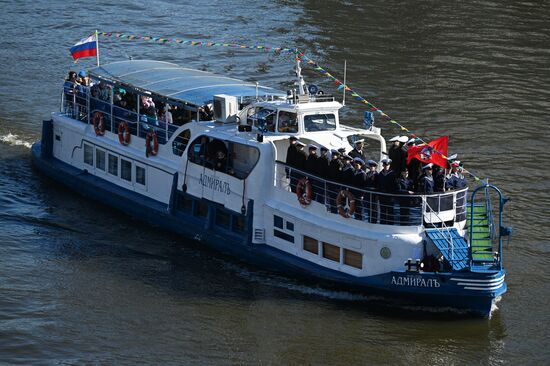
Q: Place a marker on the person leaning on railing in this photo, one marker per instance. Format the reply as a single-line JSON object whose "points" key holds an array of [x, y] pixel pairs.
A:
{"points": [[69, 86]]}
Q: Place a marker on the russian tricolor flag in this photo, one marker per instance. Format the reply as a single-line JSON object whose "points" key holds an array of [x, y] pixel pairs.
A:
{"points": [[86, 47]]}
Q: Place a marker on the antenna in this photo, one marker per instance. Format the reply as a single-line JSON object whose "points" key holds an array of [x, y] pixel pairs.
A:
{"points": [[344, 90]]}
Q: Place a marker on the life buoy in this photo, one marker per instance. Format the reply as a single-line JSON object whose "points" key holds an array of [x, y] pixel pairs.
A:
{"points": [[151, 149], [124, 133], [99, 123], [345, 210], [304, 192]]}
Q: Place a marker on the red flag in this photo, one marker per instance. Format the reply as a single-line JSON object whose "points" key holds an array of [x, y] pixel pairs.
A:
{"points": [[433, 152]]}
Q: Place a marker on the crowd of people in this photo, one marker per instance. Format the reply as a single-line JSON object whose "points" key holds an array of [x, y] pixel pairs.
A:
{"points": [[330, 171], [151, 110]]}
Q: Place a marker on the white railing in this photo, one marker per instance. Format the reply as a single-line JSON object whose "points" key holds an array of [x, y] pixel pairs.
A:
{"points": [[435, 210]]}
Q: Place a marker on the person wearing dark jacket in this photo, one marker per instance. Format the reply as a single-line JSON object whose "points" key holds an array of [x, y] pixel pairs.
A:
{"points": [[359, 180], [312, 168], [387, 184], [291, 151], [426, 182], [347, 171], [322, 164], [357, 151], [335, 175], [404, 188], [299, 163], [371, 200], [397, 154]]}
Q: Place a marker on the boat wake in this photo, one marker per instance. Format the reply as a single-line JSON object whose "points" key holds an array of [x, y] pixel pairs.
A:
{"points": [[15, 140], [287, 284]]}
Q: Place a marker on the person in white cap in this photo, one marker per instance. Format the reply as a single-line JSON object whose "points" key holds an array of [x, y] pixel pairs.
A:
{"points": [[426, 183], [398, 154], [455, 179], [357, 151], [387, 184]]}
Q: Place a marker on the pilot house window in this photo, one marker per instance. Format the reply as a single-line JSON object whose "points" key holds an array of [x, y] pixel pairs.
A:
{"points": [[287, 122], [320, 122]]}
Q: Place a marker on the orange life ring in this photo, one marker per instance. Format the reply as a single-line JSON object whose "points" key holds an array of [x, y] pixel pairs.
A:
{"points": [[124, 133], [345, 196], [99, 123], [304, 192], [154, 148]]}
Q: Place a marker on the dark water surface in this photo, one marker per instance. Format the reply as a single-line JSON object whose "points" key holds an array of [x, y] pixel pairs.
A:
{"points": [[81, 284]]}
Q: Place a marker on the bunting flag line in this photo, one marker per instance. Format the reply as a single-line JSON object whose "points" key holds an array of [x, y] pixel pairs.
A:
{"points": [[279, 50]]}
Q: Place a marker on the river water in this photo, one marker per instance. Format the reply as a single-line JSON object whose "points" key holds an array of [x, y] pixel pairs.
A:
{"points": [[82, 284]]}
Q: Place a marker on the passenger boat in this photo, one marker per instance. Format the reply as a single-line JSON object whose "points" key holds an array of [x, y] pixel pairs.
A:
{"points": [[221, 179]]}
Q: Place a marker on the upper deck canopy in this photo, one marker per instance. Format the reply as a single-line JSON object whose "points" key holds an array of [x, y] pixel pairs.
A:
{"points": [[175, 82]]}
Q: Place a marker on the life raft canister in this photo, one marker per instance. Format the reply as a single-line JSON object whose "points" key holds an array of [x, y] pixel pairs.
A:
{"points": [[345, 203], [124, 133], [304, 192], [99, 123], [151, 144]]}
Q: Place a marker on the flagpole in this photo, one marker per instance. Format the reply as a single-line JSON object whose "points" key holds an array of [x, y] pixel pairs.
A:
{"points": [[97, 46]]}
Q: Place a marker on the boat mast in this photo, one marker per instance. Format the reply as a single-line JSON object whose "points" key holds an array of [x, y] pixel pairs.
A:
{"points": [[301, 82]]}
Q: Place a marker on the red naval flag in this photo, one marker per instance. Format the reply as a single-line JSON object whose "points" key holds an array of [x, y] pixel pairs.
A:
{"points": [[432, 152]]}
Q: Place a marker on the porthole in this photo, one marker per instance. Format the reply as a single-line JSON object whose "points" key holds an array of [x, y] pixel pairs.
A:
{"points": [[385, 252]]}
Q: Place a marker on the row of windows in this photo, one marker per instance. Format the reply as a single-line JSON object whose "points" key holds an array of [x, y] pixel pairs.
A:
{"points": [[222, 217], [287, 122], [109, 162], [282, 229], [333, 252]]}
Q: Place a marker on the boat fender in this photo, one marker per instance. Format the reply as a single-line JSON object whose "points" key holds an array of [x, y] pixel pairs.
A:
{"points": [[99, 123], [345, 203], [124, 133], [151, 144], [304, 192]]}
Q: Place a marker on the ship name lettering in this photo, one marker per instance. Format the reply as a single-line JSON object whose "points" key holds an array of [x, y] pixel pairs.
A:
{"points": [[214, 184], [415, 281]]}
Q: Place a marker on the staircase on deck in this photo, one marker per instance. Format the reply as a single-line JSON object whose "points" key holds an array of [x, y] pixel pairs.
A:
{"points": [[480, 228], [455, 248]]}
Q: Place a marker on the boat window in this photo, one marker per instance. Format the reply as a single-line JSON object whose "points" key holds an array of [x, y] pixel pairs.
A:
{"points": [[113, 164], [239, 224], [311, 245], [140, 175], [353, 258], [331, 251], [319, 122], [201, 208], [100, 159], [88, 154], [262, 118], [278, 221], [185, 203], [290, 226], [223, 218], [228, 157], [180, 142], [126, 170], [283, 235], [287, 122], [243, 159]]}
